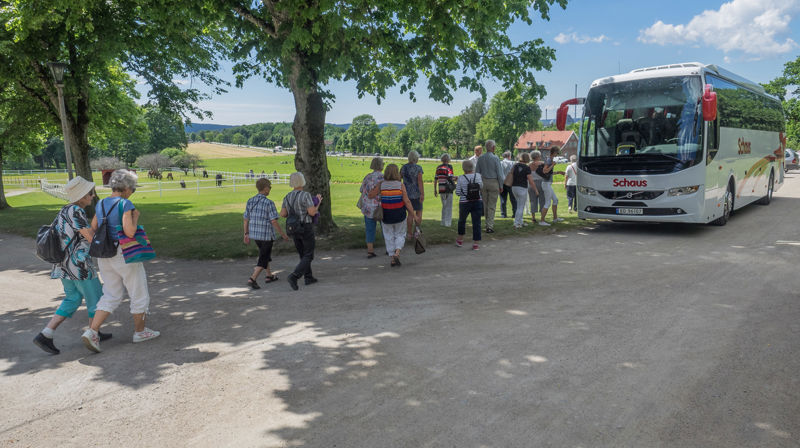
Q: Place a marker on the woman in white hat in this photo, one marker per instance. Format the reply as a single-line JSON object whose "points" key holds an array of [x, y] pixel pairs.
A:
{"points": [[76, 272]]}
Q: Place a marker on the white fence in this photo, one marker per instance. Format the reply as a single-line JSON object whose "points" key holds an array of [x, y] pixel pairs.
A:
{"points": [[229, 180], [21, 182], [52, 189]]}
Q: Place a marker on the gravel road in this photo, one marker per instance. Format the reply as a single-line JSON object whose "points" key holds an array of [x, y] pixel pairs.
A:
{"points": [[613, 335]]}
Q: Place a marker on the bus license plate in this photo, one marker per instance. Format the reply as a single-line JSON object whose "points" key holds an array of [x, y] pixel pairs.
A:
{"points": [[630, 211]]}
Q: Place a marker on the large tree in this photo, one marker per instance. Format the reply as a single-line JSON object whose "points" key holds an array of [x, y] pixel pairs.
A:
{"points": [[362, 135], [787, 88], [303, 45], [22, 126], [101, 41], [511, 113]]}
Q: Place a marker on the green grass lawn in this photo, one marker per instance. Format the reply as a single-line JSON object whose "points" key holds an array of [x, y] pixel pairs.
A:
{"points": [[208, 225]]}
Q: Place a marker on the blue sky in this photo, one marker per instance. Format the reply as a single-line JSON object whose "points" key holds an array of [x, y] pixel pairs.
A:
{"points": [[592, 39]]}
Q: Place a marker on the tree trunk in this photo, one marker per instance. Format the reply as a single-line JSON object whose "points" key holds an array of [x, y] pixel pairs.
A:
{"points": [[310, 159], [3, 202]]}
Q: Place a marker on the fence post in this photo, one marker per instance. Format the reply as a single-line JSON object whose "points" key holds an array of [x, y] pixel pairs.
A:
{"points": [[160, 193], [234, 184], [198, 186]]}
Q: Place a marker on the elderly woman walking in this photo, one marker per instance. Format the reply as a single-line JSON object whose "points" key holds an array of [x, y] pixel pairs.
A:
{"points": [[119, 276], [412, 180], [370, 205], [395, 203], [470, 203], [521, 180], [261, 226], [444, 187], [298, 207], [76, 272]]}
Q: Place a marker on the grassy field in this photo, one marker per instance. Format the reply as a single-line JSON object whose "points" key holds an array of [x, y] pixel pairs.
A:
{"points": [[208, 224], [185, 224], [215, 151]]}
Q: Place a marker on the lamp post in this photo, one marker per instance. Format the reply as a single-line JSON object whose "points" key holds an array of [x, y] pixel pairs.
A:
{"points": [[57, 68]]}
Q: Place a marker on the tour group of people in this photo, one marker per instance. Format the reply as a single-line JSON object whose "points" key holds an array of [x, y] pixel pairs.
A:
{"points": [[390, 195]]}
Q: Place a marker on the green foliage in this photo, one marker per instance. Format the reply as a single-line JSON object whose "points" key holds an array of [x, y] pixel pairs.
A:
{"points": [[166, 129], [387, 141], [383, 43], [510, 114], [787, 88], [172, 152], [103, 43], [362, 135], [186, 161]]}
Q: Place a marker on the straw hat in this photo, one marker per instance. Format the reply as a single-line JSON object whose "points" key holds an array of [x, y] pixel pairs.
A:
{"points": [[77, 188]]}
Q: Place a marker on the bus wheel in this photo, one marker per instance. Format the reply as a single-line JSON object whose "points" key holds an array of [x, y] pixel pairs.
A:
{"points": [[728, 204], [770, 188]]}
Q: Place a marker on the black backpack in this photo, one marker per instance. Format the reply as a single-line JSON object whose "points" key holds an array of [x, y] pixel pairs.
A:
{"points": [[48, 242], [294, 227], [103, 245], [473, 189]]}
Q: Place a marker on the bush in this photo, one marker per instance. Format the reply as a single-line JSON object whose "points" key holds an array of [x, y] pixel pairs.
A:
{"points": [[107, 163]]}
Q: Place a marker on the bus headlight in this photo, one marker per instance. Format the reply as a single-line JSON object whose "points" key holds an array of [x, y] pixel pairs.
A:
{"points": [[680, 191], [588, 191]]}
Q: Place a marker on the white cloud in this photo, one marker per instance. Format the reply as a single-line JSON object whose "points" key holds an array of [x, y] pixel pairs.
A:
{"points": [[181, 82], [754, 27], [580, 39]]}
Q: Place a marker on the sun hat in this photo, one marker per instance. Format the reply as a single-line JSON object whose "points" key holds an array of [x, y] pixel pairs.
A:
{"points": [[77, 188]]}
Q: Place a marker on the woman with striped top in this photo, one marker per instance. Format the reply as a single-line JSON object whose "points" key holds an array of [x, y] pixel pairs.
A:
{"points": [[395, 204]]}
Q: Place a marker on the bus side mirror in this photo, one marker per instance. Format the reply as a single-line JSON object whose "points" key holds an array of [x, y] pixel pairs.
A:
{"points": [[709, 104], [563, 111], [561, 117]]}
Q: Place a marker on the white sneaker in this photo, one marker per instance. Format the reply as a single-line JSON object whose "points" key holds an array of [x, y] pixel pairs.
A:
{"points": [[558, 220], [145, 335], [91, 340], [544, 223]]}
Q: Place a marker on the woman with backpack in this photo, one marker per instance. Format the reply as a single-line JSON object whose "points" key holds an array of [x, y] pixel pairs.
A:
{"points": [[470, 203], [117, 212], [395, 205], [76, 271], [299, 209], [444, 185], [521, 179]]}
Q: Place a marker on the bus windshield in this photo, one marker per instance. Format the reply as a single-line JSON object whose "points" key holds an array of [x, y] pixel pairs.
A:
{"points": [[643, 126]]}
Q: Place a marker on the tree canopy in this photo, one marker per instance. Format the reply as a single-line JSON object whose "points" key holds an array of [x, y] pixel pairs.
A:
{"points": [[510, 114], [304, 45], [101, 42]]}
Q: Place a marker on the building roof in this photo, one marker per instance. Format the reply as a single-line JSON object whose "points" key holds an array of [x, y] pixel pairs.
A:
{"points": [[543, 139]]}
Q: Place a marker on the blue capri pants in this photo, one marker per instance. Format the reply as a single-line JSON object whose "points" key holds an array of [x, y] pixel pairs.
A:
{"points": [[77, 291], [370, 226]]}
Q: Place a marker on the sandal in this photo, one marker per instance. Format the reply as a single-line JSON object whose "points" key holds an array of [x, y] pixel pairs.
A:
{"points": [[253, 283], [394, 262], [371, 255], [271, 278]]}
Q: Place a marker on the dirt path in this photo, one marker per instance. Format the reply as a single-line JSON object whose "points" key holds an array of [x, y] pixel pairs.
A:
{"points": [[611, 335]]}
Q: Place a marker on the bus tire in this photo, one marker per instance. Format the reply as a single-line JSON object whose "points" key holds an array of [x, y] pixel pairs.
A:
{"points": [[770, 188], [728, 208]]}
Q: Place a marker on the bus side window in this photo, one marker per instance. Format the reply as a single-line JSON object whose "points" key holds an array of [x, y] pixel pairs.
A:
{"points": [[712, 137]]}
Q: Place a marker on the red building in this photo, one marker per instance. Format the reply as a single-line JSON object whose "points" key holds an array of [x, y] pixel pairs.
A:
{"points": [[565, 141]]}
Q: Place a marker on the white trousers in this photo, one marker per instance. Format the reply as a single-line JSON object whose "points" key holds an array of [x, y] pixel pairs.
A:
{"points": [[394, 235], [118, 277], [521, 196], [447, 208], [549, 195]]}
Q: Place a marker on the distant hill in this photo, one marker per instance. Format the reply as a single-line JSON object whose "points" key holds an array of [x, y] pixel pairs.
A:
{"points": [[552, 121], [380, 125], [197, 127]]}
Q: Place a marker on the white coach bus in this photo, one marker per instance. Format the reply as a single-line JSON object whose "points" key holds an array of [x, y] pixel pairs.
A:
{"points": [[677, 143]]}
